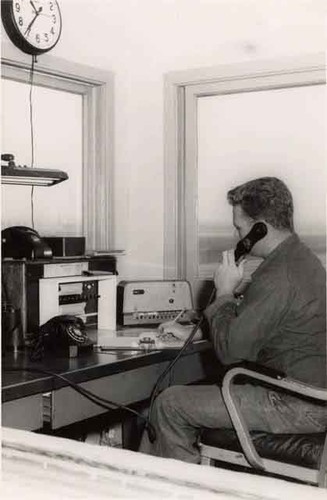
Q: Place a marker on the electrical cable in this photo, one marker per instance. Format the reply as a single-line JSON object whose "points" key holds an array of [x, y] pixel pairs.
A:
{"points": [[156, 388], [34, 60], [98, 400], [31, 108]]}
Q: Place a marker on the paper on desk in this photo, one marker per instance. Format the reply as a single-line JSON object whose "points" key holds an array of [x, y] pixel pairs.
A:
{"points": [[135, 338]]}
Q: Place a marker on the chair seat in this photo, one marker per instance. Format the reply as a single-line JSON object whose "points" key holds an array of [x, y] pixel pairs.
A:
{"points": [[297, 449]]}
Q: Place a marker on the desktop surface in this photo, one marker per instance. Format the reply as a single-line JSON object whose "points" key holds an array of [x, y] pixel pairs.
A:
{"points": [[134, 339], [90, 365]]}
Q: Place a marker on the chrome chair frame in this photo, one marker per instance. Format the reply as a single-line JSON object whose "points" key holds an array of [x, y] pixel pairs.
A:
{"points": [[250, 457]]}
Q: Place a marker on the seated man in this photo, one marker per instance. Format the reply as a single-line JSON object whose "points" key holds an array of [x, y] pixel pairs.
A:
{"points": [[279, 323]]}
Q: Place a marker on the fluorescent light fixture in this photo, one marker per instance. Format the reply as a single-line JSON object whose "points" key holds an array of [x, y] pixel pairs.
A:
{"points": [[27, 176]]}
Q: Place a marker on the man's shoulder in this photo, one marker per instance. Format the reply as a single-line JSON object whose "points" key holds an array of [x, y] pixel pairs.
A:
{"points": [[304, 269], [301, 257], [293, 264]]}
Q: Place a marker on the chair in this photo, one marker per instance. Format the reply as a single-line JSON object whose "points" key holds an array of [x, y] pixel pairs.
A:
{"points": [[299, 456]]}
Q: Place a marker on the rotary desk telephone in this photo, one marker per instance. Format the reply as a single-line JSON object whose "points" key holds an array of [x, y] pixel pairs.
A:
{"points": [[62, 335]]}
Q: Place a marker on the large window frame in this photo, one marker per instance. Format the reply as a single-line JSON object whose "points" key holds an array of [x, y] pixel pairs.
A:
{"points": [[182, 91], [97, 90]]}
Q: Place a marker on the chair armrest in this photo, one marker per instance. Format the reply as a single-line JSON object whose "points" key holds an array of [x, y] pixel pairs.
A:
{"points": [[275, 379]]}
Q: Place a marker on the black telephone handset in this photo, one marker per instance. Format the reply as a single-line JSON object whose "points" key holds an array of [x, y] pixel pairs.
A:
{"points": [[244, 246], [20, 242]]}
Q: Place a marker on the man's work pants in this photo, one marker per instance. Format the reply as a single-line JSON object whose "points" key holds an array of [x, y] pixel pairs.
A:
{"points": [[180, 412]]}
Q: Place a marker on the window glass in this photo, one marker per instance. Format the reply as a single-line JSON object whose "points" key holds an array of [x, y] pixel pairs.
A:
{"points": [[280, 132], [57, 131]]}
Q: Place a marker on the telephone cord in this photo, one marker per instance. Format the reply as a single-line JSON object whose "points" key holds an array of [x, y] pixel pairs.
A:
{"points": [[156, 388], [98, 400]]}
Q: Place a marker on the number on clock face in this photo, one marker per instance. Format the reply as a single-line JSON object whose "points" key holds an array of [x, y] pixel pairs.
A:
{"points": [[38, 21]]}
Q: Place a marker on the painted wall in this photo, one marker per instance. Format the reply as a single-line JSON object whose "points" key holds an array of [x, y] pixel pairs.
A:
{"points": [[141, 40]]}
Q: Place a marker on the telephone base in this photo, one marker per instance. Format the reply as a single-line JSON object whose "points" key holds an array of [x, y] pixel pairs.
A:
{"points": [[70, 351]]}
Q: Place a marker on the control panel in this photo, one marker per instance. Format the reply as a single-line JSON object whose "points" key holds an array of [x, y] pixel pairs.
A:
{"points": [[153, 301], [92, 298], [80, 298]]}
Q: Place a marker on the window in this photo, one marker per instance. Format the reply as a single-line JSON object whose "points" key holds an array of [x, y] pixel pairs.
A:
{"points": [[58, 144], [86, 95], [278, 132], [230, 124]]}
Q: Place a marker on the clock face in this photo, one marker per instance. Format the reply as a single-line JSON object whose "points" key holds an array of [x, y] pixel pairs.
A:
{"points": [[33, 25]]}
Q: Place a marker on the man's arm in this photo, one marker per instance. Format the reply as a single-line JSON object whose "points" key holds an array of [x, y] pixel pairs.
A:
{"points": [[239, 332]]}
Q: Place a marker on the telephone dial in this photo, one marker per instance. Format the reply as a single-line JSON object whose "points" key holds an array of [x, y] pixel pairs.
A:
{"points": [[59, 335]]}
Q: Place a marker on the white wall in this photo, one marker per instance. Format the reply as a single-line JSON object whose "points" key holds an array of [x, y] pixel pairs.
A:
{"points": [[140, 40]]}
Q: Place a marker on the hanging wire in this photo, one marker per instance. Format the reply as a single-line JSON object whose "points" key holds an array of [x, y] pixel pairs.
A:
{"points": [[34, 60], [105, 403]]}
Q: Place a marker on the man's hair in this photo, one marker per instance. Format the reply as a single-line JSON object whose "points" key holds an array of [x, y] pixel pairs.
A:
{"points": [[266, 198]]}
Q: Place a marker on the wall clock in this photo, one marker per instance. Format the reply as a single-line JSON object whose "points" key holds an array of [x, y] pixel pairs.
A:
{"points": [[34, 26]]}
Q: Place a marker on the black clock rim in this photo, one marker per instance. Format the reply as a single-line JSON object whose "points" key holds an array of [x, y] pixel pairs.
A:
{"points": [[12, 30]]}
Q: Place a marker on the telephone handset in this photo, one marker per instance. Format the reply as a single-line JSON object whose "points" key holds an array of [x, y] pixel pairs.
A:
{"points": [[20, 242], [244, 246]]}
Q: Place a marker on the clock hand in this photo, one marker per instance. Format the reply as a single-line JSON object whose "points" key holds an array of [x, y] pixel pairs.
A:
{"points": [[35, 9], [28, 29]]}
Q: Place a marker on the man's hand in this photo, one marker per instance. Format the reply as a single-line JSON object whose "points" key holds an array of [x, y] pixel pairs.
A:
{"points": [[228, 275], [181, 332]]}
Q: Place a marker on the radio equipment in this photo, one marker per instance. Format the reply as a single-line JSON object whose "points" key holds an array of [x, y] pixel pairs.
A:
{"points": [[91, 298], [152, 302], [39, 290]]}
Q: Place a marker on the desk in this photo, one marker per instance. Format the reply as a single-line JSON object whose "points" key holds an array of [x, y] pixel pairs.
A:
{"points": [[30, 399]]}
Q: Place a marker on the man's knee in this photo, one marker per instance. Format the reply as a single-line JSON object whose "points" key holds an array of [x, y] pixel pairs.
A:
{"points": [[169, 398]]}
